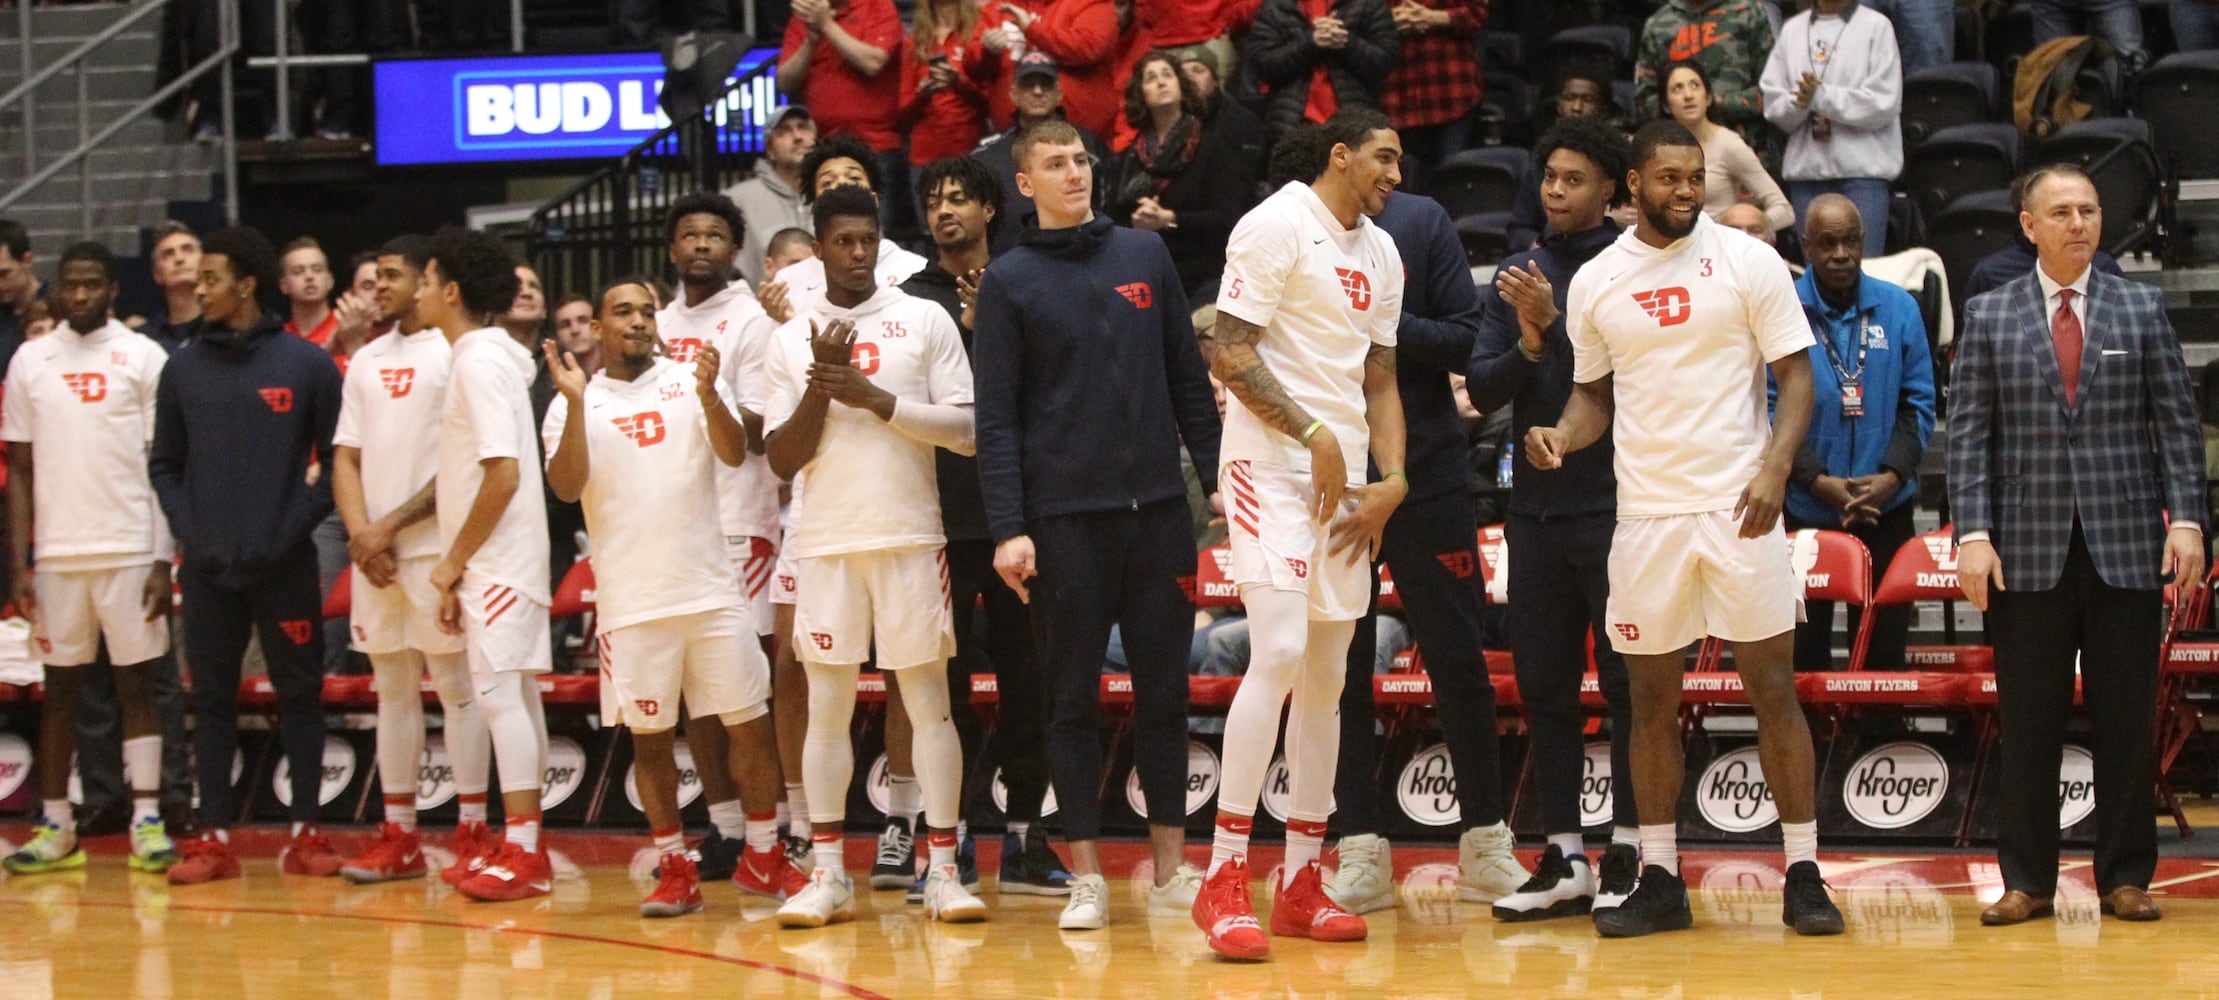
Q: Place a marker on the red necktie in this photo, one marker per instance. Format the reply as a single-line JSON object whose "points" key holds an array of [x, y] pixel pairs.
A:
{"points": [[2064, 332]]}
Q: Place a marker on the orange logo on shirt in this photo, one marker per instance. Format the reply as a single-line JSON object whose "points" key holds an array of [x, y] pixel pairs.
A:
{"points": [[683, 349], [398, 381], [90, 387], [1358, 286], [1692, 39], [1628, 631], [1668, 306], [299, 630], [1138, 293], [280, 400], [865, 358], [648, 706], [1301, 568], [643, 428]]}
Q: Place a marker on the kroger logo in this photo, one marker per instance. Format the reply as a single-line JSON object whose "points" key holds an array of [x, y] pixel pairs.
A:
{"points": [[1202, 778], [1595, 796], [566, 772], [1732, 794], [15, 764], [1427, 787], [435, 774], [2076, 787], [338, 772], [1278, 796], [689, 780], [1000, 792], [1895, 785]]}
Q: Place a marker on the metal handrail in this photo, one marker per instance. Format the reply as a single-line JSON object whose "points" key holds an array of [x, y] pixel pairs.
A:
{"points": [[218, 62], [84, 49]]}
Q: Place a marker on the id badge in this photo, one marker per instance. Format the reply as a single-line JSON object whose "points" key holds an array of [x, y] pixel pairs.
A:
{"points": [[1822, 129], [1852, 398]]}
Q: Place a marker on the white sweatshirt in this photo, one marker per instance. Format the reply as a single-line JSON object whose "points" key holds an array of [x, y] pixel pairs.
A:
{"points": [[1861, 95]]}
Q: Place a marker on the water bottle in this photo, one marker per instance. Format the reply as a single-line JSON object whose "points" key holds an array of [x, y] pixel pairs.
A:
{"points": [[1503, 469]]}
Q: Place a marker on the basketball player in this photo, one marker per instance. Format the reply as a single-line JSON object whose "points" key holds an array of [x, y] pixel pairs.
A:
{"points": [[79, 416], [641, 457], [1672, 328], [386, 456], [492, 577], [859, 403], [1305, 342], [840, 161], [716, 309]]}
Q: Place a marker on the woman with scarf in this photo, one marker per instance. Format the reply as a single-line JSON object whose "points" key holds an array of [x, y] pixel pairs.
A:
{"points": [[1176, 178]]}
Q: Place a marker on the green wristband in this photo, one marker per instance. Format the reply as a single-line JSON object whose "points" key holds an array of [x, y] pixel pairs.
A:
{"points": [[1398, 475], [1311, 431]]}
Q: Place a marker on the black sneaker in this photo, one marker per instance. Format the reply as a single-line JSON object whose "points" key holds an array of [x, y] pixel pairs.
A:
{"points": [[1804, 904], [1658, 903], [896, 866], [720, 856], [1560, 887], [1615, 877], [1031, 868], [966, 870]]}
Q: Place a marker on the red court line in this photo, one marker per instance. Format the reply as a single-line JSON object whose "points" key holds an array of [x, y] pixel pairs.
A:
{"points": [[271, 911]]}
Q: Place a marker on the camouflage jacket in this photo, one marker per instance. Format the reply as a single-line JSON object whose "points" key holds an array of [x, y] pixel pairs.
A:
{"points": [[1730, 39]]}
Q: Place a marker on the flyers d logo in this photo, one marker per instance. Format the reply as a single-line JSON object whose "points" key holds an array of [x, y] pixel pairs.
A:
{"points": [[90, 387], [1459, 564], [1628, 631], [648, 706], [643, 428], [299, 630], [1668, 306], [398, 381], [865, 358], [1358, 286], [822, 639], [683, 349], [1301, 568], [1138, 293], [279, 400]]}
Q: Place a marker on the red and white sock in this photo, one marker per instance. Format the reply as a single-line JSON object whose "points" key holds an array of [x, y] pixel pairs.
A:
{"points": [[671, 841], [942, 848], [1231, 839], [831, 850], [470, 808], [1305, 843], [761, 831], [797, 810], [523, 831], [400, 810], [730, 819]]}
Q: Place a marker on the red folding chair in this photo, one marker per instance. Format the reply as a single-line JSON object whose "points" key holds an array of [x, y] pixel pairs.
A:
{"points": [[339, 602], [1836, 567], [1925, 569]]}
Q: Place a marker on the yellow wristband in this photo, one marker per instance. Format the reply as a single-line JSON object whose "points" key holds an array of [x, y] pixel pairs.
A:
{"points": [[1311, 431], [1398, 475]]}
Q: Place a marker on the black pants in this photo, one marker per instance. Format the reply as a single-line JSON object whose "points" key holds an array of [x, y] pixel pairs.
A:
{"points": [[1431, 547], [2036, 634], [1559, 585], [100, 735], [1098, 569], [1814, 636], [1020, 738], [281, 607]]}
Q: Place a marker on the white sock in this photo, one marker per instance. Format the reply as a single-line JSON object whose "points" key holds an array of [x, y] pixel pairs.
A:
{"points": [[1800, 841], [299, 827], [1569, 843], [797, 810], [831, 853], [730, 819], [904, 800], [61, 814], [670, 842], [784, 817], [1305, 844], [1660, 846], [142, 770], [1627, 835], [400, 810], [1019, 830], [524, 833], [146, 807], [761, 832], [470, 809], [940, 848], [1230, 839]]}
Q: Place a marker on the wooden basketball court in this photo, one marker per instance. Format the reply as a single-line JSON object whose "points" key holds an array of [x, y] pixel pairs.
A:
{"points": [[1913, 932]]}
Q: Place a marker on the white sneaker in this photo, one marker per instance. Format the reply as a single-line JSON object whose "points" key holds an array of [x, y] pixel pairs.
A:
{"points": [[1088, 907], [1176, 897], [1486, 870], [829, 899], [1560, 887], [1365, 880], [947, 901]]}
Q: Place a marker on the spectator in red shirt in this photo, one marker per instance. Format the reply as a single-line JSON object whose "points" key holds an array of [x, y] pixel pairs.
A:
{"points": [[835, 61], [1435, 85], [1083, 38], [943, 109], [1319, 57], [306, 282]]}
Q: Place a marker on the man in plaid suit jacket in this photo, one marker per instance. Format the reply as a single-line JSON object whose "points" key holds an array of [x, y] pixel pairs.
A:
{"points": [[2072, 435]]}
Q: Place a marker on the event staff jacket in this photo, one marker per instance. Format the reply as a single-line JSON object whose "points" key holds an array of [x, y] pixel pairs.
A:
{"points": [[1879, 343]]}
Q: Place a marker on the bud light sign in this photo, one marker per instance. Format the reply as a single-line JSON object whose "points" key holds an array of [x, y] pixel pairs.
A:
{"points": [[508, 108]]}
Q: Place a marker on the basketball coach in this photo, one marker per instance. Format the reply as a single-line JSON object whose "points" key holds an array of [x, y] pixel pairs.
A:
{"points": [[2072, 436]]}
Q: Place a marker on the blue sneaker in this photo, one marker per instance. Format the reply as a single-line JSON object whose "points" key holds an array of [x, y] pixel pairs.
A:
{"points": [[1031, 868]]}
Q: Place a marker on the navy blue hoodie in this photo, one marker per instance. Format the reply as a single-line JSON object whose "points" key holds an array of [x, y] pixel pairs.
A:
{"points": [[237, 417], [1088, 378], [1440, 318], [1537, 390]]}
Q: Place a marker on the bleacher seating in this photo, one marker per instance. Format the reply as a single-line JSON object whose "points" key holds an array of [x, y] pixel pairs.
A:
{"points": [[1938, 97], [1957, 161], [1475, 181], [2121, 155], [2174, 95]]}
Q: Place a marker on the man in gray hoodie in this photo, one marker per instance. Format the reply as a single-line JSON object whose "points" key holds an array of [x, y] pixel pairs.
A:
{"points": [[771, 200]]}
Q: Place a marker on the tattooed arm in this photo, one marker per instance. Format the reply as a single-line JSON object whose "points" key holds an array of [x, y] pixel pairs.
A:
{"points": [[1230, 347], [1359, 532]]}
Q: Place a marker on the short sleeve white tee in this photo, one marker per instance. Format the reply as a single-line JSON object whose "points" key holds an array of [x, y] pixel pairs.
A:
{"points": [[734, 323], [1325, 296], [804, 279], [389, 408], [651, 497], [870, 486], [1685, 333], [488, 414], [85, 403]]}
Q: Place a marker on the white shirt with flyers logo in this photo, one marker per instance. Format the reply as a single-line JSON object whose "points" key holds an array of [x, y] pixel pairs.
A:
{"points": [[488, 414], [1685, 332], [85, 404], [804, 278], [870, 486], [651, 496], [1325, 296], [734, 323], [389, 408]]}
